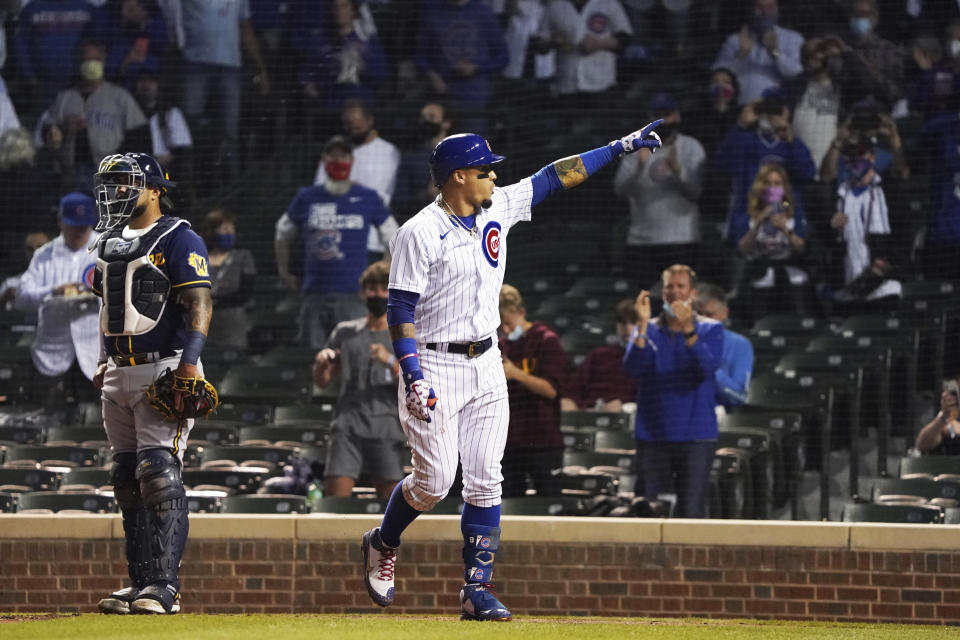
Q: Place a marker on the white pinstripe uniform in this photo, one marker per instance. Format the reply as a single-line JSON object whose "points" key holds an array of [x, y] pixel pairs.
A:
{"points": [[458, 276]]}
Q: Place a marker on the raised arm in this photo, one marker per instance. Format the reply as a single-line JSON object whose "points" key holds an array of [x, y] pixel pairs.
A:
{"points": [[566, 173]]}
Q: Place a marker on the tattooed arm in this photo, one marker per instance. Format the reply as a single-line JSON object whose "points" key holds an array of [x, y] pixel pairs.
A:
{"points": [[567, 173], [197, 306]]}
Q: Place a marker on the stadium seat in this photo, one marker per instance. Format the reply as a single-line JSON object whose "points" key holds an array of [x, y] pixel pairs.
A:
{"points": [[605, 286], [769, 347], [920, 487], [287, 355], [578, 343], [277, 457], [20, 434], [212, 432], [56, 501], [77, 435], [17, 327], [95, 476], [268, 328], [243, 412], [731, 467], [206, 501], [792, 441], [7, 502], [580, 484], [264, 504], [71, 455], [217, 361], [609, 421], [321, 413], [233, 480], [34, 478], [351, 505], [759, 443], [90, 414], [577, 438], [894, 513], [542, 506], [616, 441], [932, 465], [14, 359], [592, 459], [790, 325], [315, 435], [276, 384]]}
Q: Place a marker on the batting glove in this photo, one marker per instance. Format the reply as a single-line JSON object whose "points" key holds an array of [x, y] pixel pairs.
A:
{"points": [[421, 400], [645, 138]]}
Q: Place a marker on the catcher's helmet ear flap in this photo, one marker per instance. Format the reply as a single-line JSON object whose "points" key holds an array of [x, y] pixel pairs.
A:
{"points": [[120, 180], [460, 151]]}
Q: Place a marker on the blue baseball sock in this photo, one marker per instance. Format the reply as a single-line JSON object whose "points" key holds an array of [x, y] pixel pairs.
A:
{"points": [[398, 516], [479, 516]]}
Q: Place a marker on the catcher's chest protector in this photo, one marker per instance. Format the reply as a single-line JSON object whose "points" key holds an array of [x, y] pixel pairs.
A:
{"points": [[135, 291]]}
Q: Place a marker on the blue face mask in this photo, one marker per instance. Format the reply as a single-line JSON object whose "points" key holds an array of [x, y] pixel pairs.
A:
{"points": [[225, 241], [861, 26], [668, 310], [514, 335], [858, 170]]}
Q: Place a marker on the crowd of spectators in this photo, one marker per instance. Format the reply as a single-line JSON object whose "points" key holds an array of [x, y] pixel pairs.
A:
{"points": [[793, 136]]}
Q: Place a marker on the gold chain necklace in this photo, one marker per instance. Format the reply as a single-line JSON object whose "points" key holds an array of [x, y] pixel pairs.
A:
{"points": [[456, 219]]}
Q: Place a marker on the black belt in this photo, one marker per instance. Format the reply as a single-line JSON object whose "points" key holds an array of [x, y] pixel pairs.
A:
{"points": [[133, 359], [469, 349]]}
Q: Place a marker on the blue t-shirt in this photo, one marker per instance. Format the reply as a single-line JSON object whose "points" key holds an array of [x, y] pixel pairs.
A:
{"points": [[48, 32], [182, 256], [334, 231], [943, 226]]}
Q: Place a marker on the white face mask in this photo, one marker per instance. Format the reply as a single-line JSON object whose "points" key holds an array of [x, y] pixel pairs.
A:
{"points": [[514, 335], [668, 310]]}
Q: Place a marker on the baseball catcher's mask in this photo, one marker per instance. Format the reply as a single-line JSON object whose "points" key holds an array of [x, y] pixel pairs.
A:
{"points": [[118, 183]]}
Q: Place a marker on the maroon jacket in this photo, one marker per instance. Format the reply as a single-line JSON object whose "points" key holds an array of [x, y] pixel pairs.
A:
{"points": [[601, 376], [535, 420]]}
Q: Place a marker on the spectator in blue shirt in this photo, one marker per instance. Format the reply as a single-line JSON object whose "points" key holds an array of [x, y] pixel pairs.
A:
{"points": [[334, 221], [48, 34], [674, 358], [460, 47], [136, 41], [942, 243], [736, 363]]}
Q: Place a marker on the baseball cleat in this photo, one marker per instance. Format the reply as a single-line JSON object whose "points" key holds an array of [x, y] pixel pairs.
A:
{"points": [[378, 565], [157, 598], [478, 601], [118, 601]]}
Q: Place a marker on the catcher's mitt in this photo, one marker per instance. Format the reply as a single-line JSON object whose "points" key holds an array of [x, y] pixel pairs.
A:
{"points": [[199, 396]]}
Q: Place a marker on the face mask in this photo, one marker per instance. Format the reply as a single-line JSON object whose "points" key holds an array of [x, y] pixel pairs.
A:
{"points": [[338, 171], [765, 127], [773, 194], [429, 130], [668, 310], [514, 335], [92, 70], [858, 170], [721, 91], [225, 241], [861, 26], [377, 306], [762, 23]]}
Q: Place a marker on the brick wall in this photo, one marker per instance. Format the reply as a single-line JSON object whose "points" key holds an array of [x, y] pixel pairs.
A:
{"points": [[611, 579]]}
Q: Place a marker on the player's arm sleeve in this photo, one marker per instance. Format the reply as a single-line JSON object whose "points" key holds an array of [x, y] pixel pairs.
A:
{"points": [[186, 261], [733, 378], [33, 288], [567, 173], [636, 359], [410, 264]]}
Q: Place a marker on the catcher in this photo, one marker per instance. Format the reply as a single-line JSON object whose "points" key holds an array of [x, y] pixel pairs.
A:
{"points": [[153, 278]]}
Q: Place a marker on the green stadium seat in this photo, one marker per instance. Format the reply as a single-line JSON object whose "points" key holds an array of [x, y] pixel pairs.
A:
{"points": [[287, 355], [56, 501], [314, 435], [204, 501], [7, 502], [542, 506], [35, 479], [790, 325], [350, 505], [580, 484], [620, 441], [593, 459], [731, 468], [606, 420], [20, 434], [788, 436], [762, 448], [276, 384], [245, 413], [769, 347], [299, 413], [577, 438], [264, 504], [77, 435], [449, 506], [931, 465], [606, 286], [214, 432], [894, 513], [71, 455], [95, 476], [919, 487], [276, 456], [235, 480], [578, 343]]}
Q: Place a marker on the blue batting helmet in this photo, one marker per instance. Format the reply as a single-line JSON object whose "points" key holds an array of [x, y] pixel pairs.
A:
{"points": [[460, 151]]}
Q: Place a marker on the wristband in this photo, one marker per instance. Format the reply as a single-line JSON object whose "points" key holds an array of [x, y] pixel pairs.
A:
{"points": [[406, 350], [193, 343]]}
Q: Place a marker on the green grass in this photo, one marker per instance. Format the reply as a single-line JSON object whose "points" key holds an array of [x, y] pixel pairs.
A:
{"points": [[359, 627]]}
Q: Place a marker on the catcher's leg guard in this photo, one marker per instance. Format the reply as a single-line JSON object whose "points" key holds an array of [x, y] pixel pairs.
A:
{"points": [[165, 499], [126, 490], [477, 598]]}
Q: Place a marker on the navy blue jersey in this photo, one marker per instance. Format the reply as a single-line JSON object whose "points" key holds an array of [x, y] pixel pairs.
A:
{"points": [[182, 256], [334, 231]]}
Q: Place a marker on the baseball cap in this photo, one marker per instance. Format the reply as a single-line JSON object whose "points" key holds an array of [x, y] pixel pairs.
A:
{"points": [[78, 210], [662, 103], [338, 142]]}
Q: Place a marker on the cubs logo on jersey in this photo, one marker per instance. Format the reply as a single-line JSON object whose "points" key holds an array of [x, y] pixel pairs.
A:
{"points": [[87, 277], [199, 264], [491, 243]]}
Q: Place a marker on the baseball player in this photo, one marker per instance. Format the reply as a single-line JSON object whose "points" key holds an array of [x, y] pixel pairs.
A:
{"points": [[153, 277], [445, 278]]}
